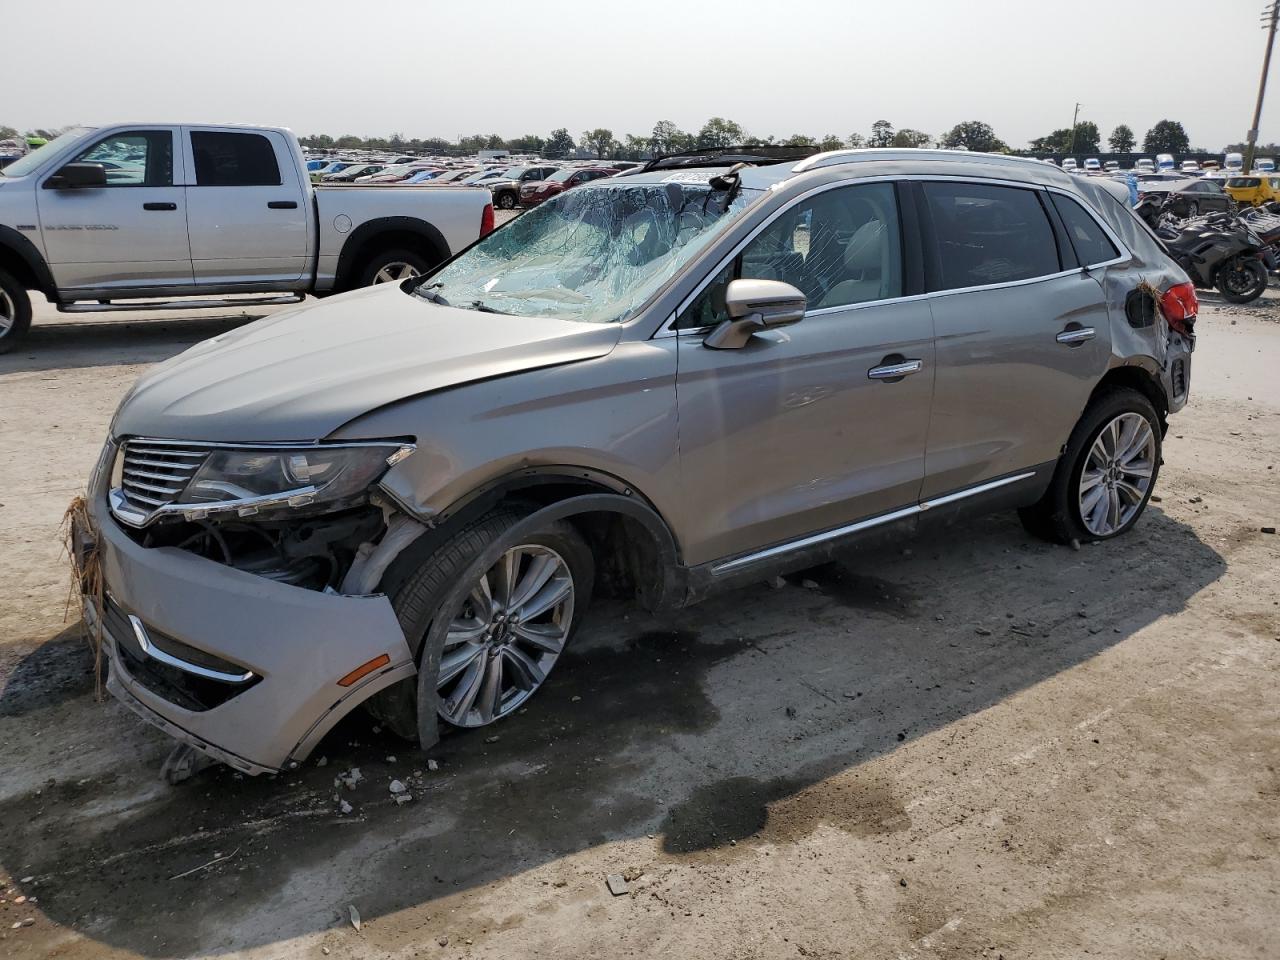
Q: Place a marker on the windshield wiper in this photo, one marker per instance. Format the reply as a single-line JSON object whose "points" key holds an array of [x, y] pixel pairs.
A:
{"points": [[432, 292], [485, 308]]}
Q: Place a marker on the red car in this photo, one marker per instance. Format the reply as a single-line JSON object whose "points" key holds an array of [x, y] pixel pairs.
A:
{"points": [[532, 194]]}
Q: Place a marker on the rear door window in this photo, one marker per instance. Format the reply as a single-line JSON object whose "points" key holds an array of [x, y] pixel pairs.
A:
{"points": [[988, 234], [234, 160], [1091, 244]]}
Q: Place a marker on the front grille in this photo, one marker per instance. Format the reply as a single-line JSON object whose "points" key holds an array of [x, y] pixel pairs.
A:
{"points": [[155, 472]]}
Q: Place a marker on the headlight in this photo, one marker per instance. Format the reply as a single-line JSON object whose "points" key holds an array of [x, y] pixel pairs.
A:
{"points": [[250, 479]]}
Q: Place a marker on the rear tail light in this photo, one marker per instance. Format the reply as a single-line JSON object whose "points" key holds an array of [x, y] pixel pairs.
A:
{"points": [[486, 223], [1180, 306]]}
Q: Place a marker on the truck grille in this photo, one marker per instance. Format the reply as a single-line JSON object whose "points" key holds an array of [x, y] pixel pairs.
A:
{"points": [[155, 472]]}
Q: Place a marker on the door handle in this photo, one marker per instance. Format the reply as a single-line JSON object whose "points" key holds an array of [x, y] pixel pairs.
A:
{"points": [[282, 204], [159, 206], [1076, 335], [894, 368]]}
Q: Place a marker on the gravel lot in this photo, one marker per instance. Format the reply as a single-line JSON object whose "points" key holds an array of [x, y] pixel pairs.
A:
{"points": [[978, 746]]}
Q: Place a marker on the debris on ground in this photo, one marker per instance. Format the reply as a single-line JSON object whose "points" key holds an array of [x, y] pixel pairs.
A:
{"points": [[322, 762], [1268, 529], [354, 914], [617, 885], [433, 765], [443, 941], [344, 808], [350, 778], [398, 787], [493, 739], [403, 798]]}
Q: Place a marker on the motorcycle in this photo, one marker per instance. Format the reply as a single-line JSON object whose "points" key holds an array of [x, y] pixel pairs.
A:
{"points": [[1218, 250]]}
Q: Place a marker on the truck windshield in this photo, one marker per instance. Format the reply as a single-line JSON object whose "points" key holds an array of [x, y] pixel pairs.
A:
{"points": [[594, 254], [20, 168]]}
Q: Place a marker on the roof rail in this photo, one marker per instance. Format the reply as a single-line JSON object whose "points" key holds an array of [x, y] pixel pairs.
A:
{"points": [[834, 157]]}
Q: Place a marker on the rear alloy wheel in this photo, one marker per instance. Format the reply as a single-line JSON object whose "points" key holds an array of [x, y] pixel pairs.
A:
{"points": [[15, 312], [1106, 473], [393, 266], [506, 200], [1116, 477]]}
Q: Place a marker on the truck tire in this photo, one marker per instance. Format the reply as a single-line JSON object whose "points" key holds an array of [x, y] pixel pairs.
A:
{"points": [[444, 585], [393, 266], [15, 312], [1106, 475], [506, 200]]}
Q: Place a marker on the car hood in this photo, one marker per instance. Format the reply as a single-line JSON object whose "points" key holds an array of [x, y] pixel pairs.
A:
{"points": [[302, 373]]}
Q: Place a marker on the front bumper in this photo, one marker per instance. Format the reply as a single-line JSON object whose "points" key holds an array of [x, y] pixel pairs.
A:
{"points": [[296, 643]]}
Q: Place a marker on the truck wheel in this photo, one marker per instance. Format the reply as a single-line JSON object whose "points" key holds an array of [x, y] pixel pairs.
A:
{"points": [[506, 200], [487, 616], [392, 266], [15, 312], [1105, 477]]}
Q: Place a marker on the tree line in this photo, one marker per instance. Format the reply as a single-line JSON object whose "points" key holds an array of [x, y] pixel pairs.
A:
{"points": [[1166, 136]]}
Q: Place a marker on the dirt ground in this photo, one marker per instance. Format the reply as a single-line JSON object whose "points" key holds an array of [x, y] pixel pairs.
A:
{"points": [[973, 746]]}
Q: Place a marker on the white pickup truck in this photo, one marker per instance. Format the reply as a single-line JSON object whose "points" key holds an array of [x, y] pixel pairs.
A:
{"points": [[101, 216]]}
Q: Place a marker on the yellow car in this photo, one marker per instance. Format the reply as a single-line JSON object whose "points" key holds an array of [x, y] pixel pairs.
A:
{"points": [[1253, 190]]}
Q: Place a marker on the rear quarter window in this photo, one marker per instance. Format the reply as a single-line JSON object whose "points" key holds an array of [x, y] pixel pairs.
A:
{"points": [[1091, 244]]}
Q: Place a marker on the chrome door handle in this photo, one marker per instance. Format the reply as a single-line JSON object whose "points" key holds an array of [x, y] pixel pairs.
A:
{"points": [[1078, 335], [895, 371]]}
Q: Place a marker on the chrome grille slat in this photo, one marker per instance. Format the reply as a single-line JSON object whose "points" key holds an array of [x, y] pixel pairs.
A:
{"points": [[150, 475], [155, 472]]}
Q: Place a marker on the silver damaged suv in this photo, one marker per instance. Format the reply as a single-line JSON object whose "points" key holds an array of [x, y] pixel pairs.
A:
{"points": [[665, 384]]}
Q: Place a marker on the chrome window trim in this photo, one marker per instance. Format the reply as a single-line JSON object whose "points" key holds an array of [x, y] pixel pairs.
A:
{"points": [[668, 329], [728, 566]]}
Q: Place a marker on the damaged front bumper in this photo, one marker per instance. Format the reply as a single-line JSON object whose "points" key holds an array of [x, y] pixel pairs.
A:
{"points": [[247, 670]]}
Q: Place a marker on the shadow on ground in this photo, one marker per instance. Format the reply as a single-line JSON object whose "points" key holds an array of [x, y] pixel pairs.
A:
{"points": [[720, 727], [52, 345]]}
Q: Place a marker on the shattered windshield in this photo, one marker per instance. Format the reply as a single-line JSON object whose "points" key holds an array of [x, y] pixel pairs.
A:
{"points": [[594, 254]]}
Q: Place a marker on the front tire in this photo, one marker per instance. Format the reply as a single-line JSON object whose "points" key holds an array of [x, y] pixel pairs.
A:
{"points": [[487, 616], [15, 312], [1105, 477]]}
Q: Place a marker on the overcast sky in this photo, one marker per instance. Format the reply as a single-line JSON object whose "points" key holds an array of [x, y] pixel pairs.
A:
{"points": [[436, 68]]}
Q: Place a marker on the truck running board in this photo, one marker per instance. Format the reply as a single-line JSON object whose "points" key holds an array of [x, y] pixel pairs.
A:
{"points": [[109, 306]]}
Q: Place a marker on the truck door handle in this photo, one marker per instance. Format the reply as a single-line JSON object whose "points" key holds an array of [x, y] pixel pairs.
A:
{"points": [[159, 206], [1074, 335], [893, 368], [282, 204]]}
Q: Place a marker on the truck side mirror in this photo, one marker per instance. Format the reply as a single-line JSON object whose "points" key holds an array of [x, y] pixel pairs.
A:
{"points": [[74, 176]]}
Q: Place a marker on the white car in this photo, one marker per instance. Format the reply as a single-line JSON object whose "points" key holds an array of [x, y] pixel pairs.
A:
{"points": [[1190, 166], [1069, 165], [1144, 165], [1092, 165]]}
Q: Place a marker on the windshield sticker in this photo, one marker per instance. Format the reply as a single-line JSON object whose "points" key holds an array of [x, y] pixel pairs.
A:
{"points": [[688, 176]]}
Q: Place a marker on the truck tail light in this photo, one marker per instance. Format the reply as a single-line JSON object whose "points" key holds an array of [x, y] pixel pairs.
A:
{"points": [[486, 220], [1180, 306]]}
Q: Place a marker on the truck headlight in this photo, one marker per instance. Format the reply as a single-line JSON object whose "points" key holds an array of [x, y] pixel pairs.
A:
{"points": [[250, 479]]}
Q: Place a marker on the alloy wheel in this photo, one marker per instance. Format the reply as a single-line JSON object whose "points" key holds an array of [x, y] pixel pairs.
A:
{"points": [[506, 637], [8, 312], [1117, 474], [395, 271]]}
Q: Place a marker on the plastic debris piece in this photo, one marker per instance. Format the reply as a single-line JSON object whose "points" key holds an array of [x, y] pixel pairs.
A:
{"points": [[355, 916]]}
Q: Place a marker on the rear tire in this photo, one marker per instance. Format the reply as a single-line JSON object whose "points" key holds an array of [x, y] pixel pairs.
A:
{"points": [[1243, 280], [506, 200], [1060, 515], [393, 266], [441, 585], [15, 312]]}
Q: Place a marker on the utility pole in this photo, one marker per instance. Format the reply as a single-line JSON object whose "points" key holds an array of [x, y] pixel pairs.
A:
{"points": [[1270, 14], [1074, 117]]}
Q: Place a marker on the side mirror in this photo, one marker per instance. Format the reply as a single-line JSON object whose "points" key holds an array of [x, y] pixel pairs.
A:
{"points": [[74, 176], [755, 305]]}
